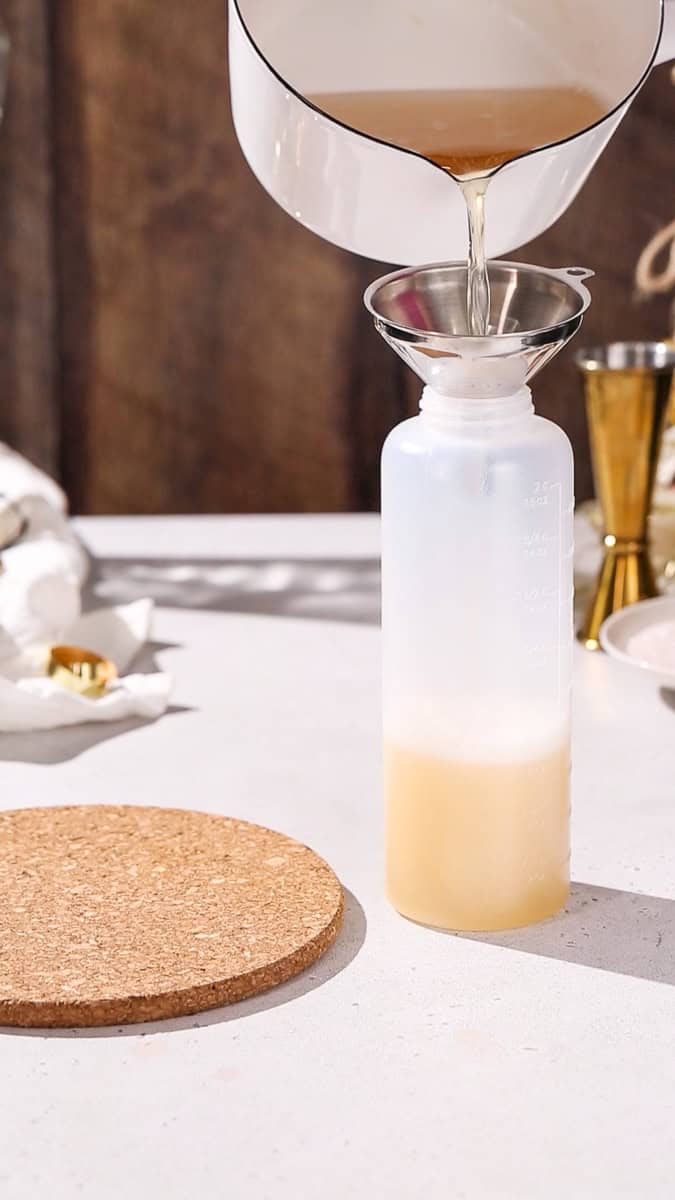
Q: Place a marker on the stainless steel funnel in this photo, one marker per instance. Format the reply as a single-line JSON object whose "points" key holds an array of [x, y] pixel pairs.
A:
{"points": [[534, 311]]}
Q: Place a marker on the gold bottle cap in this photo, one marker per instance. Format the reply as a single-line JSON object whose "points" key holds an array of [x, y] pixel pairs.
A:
{"points": [[80, 670]]}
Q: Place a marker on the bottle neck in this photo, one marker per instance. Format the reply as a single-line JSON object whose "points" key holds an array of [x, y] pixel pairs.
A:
{"points": [[475, 412]]}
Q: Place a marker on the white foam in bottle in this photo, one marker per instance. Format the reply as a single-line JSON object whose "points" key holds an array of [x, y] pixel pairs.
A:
{"points": [[477, 511]]}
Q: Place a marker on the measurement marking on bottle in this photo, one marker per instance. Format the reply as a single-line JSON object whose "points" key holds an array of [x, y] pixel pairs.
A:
{"points": [[532, 595], [538, 537], [539, 496]]}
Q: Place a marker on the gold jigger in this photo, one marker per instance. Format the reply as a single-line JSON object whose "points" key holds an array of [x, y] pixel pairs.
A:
{"points": [[627, 388]]}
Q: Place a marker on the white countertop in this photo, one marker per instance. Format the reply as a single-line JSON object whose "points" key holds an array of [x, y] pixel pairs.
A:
{"points": [[406, 1063]]}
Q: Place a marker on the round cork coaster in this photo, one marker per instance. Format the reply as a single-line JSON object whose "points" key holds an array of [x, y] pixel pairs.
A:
{"points": [[111, 915]]}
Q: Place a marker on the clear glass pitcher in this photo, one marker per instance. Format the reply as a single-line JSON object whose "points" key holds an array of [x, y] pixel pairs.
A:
{"points": [[396, 205]]}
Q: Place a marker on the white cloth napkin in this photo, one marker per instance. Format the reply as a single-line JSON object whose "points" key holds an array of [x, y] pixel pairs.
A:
{"points": [[40, 604], [43, 572], [19, 478], [31, 700], [41, 580]]}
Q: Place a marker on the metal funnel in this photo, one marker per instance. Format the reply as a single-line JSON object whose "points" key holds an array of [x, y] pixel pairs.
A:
{"points": [[534, 311]]}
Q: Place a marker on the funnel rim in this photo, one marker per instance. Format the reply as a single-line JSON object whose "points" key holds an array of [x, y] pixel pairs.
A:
{"points": [[542, 335], [285, 83]]}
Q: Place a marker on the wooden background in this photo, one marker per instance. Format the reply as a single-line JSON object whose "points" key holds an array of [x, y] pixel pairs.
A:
{"points": [[140, 261]]}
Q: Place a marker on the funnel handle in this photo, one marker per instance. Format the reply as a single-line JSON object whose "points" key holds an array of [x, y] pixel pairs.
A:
{"points": [[580, 273]]}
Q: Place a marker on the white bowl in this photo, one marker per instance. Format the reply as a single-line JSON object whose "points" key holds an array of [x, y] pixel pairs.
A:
{"points": [[618, 630]]}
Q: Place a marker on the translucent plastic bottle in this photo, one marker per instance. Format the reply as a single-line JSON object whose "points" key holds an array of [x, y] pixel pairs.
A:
{"points": [[477, 512]]}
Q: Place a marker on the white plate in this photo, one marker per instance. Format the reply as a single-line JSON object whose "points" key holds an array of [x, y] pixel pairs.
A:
{"points": [[617, 631]]}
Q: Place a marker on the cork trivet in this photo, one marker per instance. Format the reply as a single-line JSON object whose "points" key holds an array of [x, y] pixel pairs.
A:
{"points": [[115, 914]]}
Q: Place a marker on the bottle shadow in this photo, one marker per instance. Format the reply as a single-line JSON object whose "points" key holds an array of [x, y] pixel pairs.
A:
{"points": [[344, 950], [611, 930]]}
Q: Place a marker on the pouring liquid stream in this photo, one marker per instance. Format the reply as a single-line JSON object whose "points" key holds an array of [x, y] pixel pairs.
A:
{"points": [[469, 133], [473, 189]]}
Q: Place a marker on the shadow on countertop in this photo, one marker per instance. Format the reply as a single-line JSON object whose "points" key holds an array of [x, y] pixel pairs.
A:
{"points": [[623, 932], [320, 589], [44, 747]]}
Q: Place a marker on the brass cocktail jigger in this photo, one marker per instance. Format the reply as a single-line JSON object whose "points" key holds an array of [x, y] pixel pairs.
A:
{"points": [[627, 388]]}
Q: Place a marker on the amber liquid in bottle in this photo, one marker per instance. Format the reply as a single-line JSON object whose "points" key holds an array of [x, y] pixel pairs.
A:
{"points": [[477, 845]]}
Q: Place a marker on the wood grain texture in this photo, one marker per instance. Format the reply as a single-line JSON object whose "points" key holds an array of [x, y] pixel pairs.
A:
{"points": [[629, 196], [29, 416], [213, 355], [208, 340]]}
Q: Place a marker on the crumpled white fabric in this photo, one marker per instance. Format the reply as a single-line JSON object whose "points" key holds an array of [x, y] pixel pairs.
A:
{"points": [[40, 604], [31, 700], [42, 573], [19, 478], [41, 581]]}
